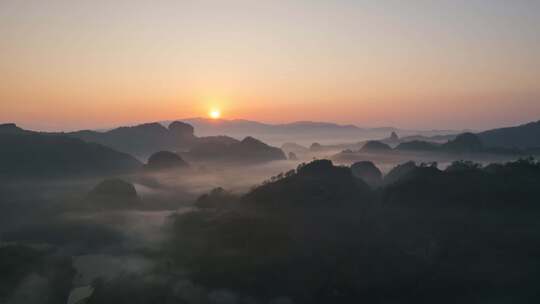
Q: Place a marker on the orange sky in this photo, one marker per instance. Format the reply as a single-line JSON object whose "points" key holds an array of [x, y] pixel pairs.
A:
{"points": [[420, 64]]}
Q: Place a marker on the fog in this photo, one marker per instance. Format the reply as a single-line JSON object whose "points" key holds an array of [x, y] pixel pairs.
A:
{"points": [[54, 216], [139, 251]]}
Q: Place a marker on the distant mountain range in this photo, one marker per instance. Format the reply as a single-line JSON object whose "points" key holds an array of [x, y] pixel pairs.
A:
{"points": [[521, 137], [392, 141], [146, 139], [89, 152], [201, 133], [302, 132], [25, 153]]}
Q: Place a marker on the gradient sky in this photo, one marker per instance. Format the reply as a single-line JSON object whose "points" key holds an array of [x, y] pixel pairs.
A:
{"points": [[412, 64]]}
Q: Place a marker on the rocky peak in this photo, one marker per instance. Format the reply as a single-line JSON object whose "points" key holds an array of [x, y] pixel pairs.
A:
{"points": [[182, 129], [394, 136]]}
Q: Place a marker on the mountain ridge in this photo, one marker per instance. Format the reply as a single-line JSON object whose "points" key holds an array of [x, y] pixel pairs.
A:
{"points": [[303, 132], [26, 153], [525, 135]]}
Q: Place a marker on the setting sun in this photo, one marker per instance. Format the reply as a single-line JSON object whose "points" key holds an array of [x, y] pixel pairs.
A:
{"points": [[214, 114]]}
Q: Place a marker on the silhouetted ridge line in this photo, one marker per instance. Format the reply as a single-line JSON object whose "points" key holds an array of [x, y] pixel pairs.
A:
{"points": [[521, 137], [32, 154], [146, 139]]}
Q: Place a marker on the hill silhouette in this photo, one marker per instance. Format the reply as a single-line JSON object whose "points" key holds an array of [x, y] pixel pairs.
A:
{"points": [[165, 160], [247, 150], [292, 156], [465, 142], [392, 140], [521, 137], [375, 146], [113, 193], [11, 128], [294, 148], [143, 140], [182, 131], [146, 139], [218, 198], [331, 240], [301, 132], [368, 172], [417, 145], [315, 184], [32, 154], [516, 140]]}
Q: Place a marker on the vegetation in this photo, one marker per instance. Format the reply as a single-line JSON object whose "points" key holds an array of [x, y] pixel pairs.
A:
{"points": [[36, 155], [374, 146], [317, 236], [164, 160]]}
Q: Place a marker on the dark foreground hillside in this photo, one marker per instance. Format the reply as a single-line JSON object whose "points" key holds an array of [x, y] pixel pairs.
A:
{"points": [[317, 234], [320, 235]]}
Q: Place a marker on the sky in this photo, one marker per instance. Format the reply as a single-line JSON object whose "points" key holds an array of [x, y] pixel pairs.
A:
{"points": [[430, 64]]}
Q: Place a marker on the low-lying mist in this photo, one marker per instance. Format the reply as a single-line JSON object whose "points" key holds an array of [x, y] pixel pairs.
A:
{"points": [[106, 242], [277, 232]]}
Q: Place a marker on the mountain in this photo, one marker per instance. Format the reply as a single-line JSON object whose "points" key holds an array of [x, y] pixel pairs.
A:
{"points": [[215, 126], [466, 142], [301, 132], [375, 146], [31, 154], [437, 139], [522, 136], [316, 184], [113, 193], [391, 140], [11, 128], [417, 145], [165, 160], [146, 139], [368, 172], [418, 142], [247, 150], [294, 148], [143, 140], [319, 235]]}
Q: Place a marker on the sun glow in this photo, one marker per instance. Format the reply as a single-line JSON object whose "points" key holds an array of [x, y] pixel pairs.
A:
{"points": [[214, 113]]}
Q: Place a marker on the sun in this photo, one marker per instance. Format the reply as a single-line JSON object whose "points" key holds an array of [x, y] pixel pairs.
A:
{"points": [[214, 113]]}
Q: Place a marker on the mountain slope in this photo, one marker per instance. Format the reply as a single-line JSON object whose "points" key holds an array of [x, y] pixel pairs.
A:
{"points": [[247, 150], [32, 154], [142, 140], [522, 136], [302, 132]]}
